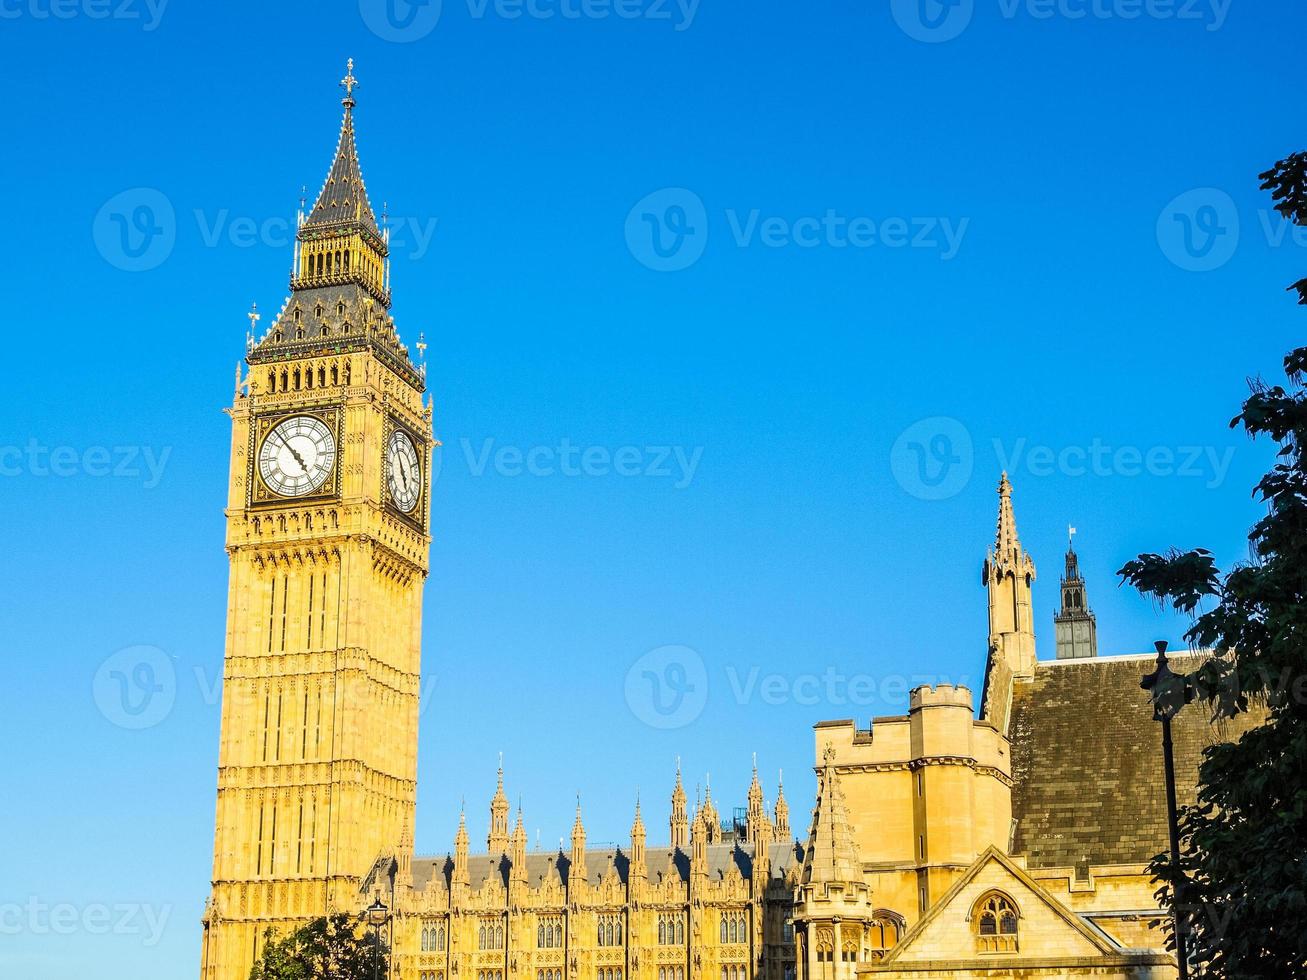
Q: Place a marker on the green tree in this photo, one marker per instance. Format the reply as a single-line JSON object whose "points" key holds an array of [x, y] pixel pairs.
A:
{"points": [[330, 948], [1241, 885]]}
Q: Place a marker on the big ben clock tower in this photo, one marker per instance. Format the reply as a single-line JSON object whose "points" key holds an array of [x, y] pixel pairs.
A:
{"points": [[327, 534]]}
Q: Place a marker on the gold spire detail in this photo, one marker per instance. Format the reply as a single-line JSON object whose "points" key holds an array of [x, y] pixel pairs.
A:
{"points": [[348, 83]]}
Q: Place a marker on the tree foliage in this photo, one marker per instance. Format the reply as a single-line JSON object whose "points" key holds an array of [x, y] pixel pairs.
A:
{"points": [[331, 948], [1241, 885]]}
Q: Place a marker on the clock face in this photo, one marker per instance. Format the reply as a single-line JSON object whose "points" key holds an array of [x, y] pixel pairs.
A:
{"points": [[403, 471], [297, 456]]}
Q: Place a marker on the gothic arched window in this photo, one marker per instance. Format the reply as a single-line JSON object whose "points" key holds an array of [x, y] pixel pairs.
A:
{"points": [[995, 919]]}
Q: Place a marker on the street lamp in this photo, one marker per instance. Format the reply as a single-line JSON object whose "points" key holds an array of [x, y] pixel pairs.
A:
{"points": [[1170, 692], [376, 915]]}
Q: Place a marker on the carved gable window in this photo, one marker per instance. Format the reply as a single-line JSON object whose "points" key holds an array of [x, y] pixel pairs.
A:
{"points": [[995, 920]]}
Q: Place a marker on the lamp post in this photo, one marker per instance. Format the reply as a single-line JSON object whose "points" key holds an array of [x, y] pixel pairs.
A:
{"points": [[1170, 692], [376, 915]]}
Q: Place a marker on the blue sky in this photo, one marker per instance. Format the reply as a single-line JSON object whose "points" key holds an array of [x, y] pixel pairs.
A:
{"points": [[800, 279]]}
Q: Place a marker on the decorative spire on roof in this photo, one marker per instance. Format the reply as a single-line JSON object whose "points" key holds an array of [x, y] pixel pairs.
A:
{"points": [[497, 839], [709, 810], [340, 278], [344, 198], [679, 821], [831, 855], [460, 849], [782, 809], [1008, 573], [1006, 539], [577, 872], [517, 849], [1075, 627]]}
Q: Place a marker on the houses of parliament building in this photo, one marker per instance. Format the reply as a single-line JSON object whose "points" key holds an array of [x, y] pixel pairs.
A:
{"points": [[1002, 833]]}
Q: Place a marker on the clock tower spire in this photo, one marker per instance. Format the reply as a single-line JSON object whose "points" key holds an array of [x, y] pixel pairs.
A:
{"points": [[328, 543]]}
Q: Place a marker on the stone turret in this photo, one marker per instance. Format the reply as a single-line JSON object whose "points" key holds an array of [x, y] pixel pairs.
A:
{"points": [[517, 851], [577, 873], [1075, 626], [460, 851], [497, 839], [639, 866], [833, 901], [782, 811], [679, 823], [1007, 574], [711, 817]]}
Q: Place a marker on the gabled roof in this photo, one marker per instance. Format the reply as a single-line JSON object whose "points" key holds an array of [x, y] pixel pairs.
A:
{"points": [[1049, 933]]}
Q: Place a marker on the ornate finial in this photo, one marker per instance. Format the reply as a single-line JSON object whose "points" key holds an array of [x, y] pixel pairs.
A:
{"points": [[422, 345], [254, 317], [348, 83], [755, 765], [304, 196]]}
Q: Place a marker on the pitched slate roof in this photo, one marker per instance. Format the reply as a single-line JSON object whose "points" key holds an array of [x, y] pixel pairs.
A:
{"points": [[1087, 761], [542, 865], [344, 198]]}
